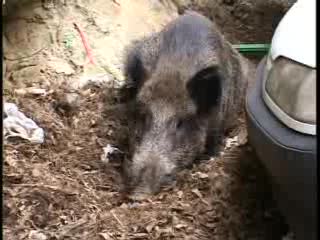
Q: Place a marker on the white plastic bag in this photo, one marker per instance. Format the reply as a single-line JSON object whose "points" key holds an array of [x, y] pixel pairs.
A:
{"points": [[16, 124]]}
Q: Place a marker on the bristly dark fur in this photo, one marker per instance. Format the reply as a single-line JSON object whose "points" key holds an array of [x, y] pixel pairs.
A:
{"points": [[189, 87]]}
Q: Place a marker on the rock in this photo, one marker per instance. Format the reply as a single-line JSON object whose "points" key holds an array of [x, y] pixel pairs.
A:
{"points": [[28, 76], [67, 103], [28, 39], [31, 91], [36, 235], [60, 66]]}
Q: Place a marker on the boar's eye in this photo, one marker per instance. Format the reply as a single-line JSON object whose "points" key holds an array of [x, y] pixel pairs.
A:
{"points": [[168, 179], [140, 111], [188, 123], [143, 119], [179, 123]]}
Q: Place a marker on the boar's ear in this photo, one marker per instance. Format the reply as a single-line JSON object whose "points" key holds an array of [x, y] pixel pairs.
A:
{"points": [[205, 89], [134, 68], [135, 73]]}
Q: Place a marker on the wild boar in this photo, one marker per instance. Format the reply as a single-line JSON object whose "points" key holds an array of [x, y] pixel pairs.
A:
{"points": [[188, 89]]}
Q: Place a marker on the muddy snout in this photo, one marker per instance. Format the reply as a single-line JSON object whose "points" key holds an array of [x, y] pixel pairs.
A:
{"points": [[148, 174], [137, 195]]}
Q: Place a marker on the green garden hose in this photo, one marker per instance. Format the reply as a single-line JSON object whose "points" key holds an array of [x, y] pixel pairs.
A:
{"points": [[256, 48]]}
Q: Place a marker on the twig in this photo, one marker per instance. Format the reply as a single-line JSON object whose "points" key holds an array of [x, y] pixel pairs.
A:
{"points": [[118, 220], [85, 43], [27, 56], [66, 231], [44, 186], [116, 2]]}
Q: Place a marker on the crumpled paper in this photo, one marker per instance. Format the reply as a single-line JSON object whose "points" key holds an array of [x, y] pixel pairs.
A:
{"points": [[16, 124]]}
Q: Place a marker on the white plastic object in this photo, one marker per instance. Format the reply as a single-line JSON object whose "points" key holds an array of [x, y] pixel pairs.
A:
{"points": [[106, 151], [16, 124], [295, 36], [295, 39]]}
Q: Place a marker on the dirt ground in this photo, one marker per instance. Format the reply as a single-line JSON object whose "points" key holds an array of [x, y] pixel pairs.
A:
{"points": [[242, 21], [61, 189]]}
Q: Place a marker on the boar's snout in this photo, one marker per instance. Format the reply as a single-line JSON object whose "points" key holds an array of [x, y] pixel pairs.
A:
{"points": [[139, 196], [148, 173]]}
